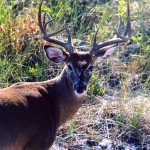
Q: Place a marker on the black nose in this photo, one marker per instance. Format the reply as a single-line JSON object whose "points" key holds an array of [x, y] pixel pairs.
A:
{"points": [[79, 88]]}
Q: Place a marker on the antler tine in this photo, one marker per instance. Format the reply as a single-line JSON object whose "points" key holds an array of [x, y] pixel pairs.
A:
{"points": [[45, 24], [95, 45], [119, 39], [120, 26], [39, 18], [128, 27], [94, 40], [45, 36], [44, 18], [126, 34], [68, 44]]}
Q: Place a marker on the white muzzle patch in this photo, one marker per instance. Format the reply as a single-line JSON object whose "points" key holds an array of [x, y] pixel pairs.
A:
{"points": [[80, 95]]}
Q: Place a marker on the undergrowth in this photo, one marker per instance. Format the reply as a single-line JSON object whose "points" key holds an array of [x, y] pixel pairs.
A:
{"points": [[22, 59]]}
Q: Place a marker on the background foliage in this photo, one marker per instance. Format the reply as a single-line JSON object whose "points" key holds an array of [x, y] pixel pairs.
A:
{"points": [[121, 79]]}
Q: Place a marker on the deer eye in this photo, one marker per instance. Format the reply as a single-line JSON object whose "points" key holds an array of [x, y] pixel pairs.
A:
{"points": [[90, 68], [88, 72], [70, 67]]}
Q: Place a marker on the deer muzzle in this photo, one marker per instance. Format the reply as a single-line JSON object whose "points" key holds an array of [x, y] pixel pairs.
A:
{"points": [[80, 87]]}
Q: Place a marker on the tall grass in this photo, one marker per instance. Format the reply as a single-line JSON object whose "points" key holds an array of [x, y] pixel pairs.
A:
{"points": [[22, 59]]}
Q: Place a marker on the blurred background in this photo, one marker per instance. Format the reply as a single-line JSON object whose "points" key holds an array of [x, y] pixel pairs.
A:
{"points": [[116, 114]]}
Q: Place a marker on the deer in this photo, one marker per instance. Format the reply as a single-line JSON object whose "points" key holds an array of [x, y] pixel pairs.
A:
{"points": [[32, 112]]}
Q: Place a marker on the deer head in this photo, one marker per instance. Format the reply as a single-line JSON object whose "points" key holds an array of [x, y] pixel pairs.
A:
{"points": [[79, 65]]}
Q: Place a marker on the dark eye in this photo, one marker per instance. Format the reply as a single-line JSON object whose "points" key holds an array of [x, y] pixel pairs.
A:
{"points": [[70, 67], [88, 72], [90, 68]]}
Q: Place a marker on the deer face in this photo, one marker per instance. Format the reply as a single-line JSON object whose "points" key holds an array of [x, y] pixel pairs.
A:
{"points": [[78, 69]]}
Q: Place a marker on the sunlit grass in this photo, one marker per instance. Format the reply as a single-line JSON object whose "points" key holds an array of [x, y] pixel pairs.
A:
{"points": [[22, 59]]}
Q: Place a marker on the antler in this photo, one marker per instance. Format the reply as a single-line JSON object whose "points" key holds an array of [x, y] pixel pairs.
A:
{"points": [[118, 38], [42, 24]]}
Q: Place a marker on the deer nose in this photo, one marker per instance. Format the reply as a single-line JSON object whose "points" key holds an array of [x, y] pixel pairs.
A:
{"points": [[80, 87]]}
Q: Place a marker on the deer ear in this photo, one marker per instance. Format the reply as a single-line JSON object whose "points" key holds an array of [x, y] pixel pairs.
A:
{"points": [[104, 53], [55, 54]]}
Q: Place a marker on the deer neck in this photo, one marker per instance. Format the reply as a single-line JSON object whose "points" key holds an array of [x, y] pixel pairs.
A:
{"points": [[69, 101]]}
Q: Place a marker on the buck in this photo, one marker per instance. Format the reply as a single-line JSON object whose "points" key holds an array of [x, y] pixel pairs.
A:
{"points": [[31, 112]]}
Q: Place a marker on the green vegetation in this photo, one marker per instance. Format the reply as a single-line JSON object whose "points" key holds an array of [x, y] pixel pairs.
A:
{"points": [[22, 59], [94, 87]]}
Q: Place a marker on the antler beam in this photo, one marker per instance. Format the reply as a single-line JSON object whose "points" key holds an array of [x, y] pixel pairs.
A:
{"points": [[43, 25], [118, 38]]}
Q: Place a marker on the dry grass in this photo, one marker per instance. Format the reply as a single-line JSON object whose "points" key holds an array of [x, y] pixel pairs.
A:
{"points": [[123, 113], [118, 121]]}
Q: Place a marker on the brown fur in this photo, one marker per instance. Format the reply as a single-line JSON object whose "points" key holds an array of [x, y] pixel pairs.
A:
{"points": [[30, 113], [80, 60]]}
